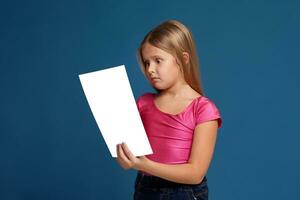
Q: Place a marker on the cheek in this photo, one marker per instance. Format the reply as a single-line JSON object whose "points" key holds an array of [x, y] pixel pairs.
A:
{"points": [[172, 69], [169, 66]]}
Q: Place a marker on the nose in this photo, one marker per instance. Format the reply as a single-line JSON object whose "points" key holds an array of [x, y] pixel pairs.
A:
{"points": [[151, 69]]}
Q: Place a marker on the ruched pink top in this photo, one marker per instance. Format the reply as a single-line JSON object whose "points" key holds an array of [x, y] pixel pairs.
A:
{"points": [[171, 136]]}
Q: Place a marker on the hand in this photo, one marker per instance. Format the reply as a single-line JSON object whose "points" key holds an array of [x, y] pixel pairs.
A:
{"points": [[127, 160]]}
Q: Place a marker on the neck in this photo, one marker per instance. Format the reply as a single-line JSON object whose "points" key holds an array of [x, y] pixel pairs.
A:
{"points": [[178, 90]]}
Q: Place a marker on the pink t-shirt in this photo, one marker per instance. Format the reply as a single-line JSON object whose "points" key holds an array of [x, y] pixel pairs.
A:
{"points": [[171, 136]]}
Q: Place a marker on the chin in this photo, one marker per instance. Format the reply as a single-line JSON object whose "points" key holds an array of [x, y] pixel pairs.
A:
{"points": [[160, 88]]}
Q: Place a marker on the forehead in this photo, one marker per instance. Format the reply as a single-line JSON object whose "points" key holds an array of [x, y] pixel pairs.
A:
{"points": [[150, 51]]}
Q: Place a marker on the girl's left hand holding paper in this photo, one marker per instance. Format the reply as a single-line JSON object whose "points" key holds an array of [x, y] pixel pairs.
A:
{"points": [[127, 160]]}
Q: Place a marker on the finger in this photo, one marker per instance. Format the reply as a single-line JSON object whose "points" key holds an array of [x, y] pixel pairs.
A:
{"points": [[118, 150], [119, 158], [123, 155], [127, 151], [122, 159]]}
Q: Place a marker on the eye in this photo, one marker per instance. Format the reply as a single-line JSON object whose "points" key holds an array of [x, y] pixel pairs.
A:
{"points": [[158, 60], [146, 63]]}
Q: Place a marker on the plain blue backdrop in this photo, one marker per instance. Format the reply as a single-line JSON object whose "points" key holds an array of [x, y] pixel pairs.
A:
{"points": [[50, 145]]}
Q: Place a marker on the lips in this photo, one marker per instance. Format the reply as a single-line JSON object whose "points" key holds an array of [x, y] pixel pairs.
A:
{"points": [[154, 79]]}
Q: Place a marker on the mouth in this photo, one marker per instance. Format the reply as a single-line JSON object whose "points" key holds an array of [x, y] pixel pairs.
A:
{"points": [[154, 79]]}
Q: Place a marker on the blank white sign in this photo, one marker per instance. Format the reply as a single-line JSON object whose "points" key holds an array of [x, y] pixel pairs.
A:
{"points": [[112, 103]]}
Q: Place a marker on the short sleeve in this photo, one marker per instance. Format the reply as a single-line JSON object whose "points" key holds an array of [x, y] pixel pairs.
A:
{"points": [[138, 102], [141, 101], [207, 111]]}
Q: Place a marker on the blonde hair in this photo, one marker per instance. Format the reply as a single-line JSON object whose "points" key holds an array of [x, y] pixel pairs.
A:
{"points": [[175, 38]]}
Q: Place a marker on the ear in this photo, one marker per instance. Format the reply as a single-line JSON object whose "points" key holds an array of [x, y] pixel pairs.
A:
{"points": [[186, 57]]}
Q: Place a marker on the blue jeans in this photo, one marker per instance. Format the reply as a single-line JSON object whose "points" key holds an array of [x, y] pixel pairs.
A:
{"points": [[152, 188]]}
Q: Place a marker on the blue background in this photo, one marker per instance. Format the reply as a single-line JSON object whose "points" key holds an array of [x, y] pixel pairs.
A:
{"points": [[50, 145]]}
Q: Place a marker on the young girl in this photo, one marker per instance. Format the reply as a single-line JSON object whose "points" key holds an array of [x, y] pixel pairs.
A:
{"points": [[180, 122]]}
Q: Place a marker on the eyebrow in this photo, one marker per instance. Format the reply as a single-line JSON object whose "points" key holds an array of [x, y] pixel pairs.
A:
{"points": [[154, 56]]}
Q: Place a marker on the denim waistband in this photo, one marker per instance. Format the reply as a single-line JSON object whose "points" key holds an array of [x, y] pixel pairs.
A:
{"points": [[143, 180]]}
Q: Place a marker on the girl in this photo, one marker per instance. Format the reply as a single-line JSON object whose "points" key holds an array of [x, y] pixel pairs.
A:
{"points": [[180, 122]]}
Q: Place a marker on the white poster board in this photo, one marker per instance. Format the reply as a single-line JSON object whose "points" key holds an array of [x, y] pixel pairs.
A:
{"points": [[112, 103]]}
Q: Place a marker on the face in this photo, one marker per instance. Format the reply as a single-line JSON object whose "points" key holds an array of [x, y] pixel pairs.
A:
{"points": [[161, 68]]}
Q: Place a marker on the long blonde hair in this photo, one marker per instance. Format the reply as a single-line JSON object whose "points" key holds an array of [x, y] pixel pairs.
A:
{"points": [[175, 38]]}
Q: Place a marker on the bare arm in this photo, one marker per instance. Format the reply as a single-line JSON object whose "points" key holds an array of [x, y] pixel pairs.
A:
{"points": [[192, 172]]}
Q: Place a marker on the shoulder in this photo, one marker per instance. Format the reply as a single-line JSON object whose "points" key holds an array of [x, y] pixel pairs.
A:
{"points": [[206, 110], [144, 99], [144, 96], [204, 104]]}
